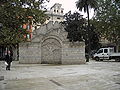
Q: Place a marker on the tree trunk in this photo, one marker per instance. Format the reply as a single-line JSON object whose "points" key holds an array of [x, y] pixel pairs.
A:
{"points": [[117, 48], [88, 31]]}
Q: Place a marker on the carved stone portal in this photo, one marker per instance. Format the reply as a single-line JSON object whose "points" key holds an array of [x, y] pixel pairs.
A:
{"points": [[51, 51]]}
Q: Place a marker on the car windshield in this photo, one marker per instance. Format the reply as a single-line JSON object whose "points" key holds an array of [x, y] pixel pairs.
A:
{"points": [[100, 51]]}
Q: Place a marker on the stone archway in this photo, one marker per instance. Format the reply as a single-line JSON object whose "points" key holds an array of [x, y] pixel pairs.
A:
{"points": [[51, 51]]}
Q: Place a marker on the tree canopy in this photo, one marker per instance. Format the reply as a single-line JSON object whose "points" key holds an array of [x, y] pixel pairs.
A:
{"points": [[15, 13], [94, 38], [107, 20], [86, 5], [74, 26]]}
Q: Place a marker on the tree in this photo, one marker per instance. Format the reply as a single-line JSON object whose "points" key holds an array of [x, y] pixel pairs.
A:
{"points": [[15, 13], [86, 4], [117, 0], [74, 26], [94, 38], [107, 21]]}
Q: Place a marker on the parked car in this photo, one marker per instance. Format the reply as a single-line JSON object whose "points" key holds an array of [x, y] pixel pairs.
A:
{"points": [[106, 53]]}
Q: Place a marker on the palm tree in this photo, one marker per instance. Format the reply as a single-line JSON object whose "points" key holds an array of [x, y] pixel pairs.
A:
{"points": [[85, 5]]}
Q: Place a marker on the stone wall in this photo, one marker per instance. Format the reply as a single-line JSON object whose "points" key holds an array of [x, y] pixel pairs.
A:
{"points": [[30, 53], [73, 54], [51, 46]]}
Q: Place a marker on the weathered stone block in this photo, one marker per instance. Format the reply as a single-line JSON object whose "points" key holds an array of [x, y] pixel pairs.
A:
{"points": [[50, 45]]}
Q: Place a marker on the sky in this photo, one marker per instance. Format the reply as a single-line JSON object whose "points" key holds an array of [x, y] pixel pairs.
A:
{"points": [[68, 5]]}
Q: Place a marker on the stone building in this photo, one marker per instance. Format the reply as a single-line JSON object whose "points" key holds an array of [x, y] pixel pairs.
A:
{"points": [[50, 45], [55, 13]]}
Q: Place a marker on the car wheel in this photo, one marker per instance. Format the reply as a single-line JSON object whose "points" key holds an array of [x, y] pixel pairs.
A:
{"points": [[117, 59], [97, 59]]}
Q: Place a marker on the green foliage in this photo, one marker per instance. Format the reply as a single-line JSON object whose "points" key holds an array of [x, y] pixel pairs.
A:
{"points": [[107, 20], [84, 4], [94, 38], [74, 26], [117, 0], [15, 13]]}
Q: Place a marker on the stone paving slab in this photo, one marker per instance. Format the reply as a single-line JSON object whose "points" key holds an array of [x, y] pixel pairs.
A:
{"points": [[90, 76], [87, 82], [28, 84]]}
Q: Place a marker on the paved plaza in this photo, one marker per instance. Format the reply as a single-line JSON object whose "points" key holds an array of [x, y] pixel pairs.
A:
{"points": [[90, 76]]}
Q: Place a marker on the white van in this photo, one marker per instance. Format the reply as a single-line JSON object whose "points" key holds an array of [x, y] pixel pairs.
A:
{"points": [[106, 53]]}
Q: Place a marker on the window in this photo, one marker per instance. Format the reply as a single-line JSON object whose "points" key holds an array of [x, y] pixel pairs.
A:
{"points": [[28, 27], [28, 36], [111, 50], [62, 11], [100, 51], [21, 26], [57, 10], [54, 10], [105, 50], [48, 18], [58, 18]]}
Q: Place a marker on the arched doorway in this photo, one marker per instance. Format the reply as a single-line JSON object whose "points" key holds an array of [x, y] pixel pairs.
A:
{"points": [[51, 51]]}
